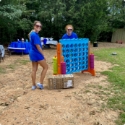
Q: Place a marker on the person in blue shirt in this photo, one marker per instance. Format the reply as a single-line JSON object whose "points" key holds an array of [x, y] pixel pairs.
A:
{"points": [[69, 33], [37, 56]]}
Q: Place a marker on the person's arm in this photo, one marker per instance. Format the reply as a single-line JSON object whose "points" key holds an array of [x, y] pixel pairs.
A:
{"points": [[39, 49], [36, 40]]}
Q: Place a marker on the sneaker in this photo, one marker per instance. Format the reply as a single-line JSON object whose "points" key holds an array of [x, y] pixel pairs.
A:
{"points": [[33, 87], [40, 86]]}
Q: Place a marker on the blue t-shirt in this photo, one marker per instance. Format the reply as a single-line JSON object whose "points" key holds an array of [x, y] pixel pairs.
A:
{"points": [[73, 35], [34, 54], [35, 40]]}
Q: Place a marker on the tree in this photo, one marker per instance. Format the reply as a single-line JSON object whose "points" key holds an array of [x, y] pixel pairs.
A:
{"points": [[117, 12], [89, 17], [9, 13]]}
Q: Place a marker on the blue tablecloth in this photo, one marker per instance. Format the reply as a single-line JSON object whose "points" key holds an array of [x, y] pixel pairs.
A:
{"points": [[25, 45]]}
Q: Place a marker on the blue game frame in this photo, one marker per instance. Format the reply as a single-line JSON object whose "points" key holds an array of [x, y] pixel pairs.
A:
{"points": [[75, 52]]}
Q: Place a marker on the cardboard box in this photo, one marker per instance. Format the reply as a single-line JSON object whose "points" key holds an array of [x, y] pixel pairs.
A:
{"points": [[61, 81], [68, 81]]}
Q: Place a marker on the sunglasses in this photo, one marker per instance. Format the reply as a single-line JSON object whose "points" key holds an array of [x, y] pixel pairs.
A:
{"points": [[69, 29], [38, 26]]}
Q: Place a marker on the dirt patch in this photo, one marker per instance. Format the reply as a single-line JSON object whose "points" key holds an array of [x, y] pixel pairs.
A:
{"points": [[82, 105]]}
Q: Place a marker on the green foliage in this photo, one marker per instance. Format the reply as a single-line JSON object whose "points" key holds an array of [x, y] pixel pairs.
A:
{"points": [[24, 25], [10, 11], [89, 17], [117, 12], [93, 15]]}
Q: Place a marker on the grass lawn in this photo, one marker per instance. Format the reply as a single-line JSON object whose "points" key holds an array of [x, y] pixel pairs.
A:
{"points": [[12, 66], [116, 76]]}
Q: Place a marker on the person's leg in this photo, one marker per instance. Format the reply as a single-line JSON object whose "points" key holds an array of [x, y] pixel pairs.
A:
{"points": [[33, 74], [45, 68]]}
